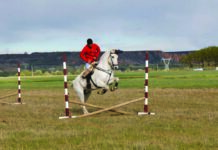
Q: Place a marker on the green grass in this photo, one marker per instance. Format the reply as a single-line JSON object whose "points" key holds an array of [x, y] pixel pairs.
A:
{"points": [[185, 104], [174, 79]]}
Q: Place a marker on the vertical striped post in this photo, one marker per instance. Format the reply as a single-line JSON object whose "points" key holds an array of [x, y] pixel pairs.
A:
{"points": [[146, 82], [19, 84], [146, 88], [67, 112]]}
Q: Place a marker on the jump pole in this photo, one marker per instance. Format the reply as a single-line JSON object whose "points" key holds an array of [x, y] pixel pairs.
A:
{"points": [[109, 108], [19, 85], [146, 112], [100, 107], [9, 95], [66, 96]]}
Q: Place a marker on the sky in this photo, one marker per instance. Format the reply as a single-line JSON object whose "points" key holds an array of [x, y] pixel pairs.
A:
{"points": [[28, 26]]}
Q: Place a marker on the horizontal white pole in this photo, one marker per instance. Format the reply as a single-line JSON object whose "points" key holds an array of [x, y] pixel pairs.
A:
{"points": [[67, 117], [145, 113]]}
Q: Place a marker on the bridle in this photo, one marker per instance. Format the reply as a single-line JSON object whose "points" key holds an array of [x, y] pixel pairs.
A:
{"points": [[113, 66]]}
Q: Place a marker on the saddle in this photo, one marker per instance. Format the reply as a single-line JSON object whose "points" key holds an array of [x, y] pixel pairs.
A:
{"points": [[88, 72]]}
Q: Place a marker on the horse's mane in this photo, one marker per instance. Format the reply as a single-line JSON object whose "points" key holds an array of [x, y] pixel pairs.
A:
{"points": [[104, 56]]}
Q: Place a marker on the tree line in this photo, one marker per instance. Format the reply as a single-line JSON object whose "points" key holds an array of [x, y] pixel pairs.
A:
{"points": [[205, 57]]}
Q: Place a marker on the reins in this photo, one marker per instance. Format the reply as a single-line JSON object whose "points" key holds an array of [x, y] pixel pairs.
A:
{"points": [[109, 72]]}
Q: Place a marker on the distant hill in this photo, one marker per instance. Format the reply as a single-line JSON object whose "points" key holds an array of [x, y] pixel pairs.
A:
{"points": [[8, 62]]}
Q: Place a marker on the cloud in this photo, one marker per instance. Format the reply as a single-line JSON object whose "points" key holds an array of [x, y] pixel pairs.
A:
{"points": [[47, 25]]}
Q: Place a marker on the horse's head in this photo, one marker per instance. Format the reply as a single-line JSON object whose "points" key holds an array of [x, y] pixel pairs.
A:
{"points": [[113, 58]]}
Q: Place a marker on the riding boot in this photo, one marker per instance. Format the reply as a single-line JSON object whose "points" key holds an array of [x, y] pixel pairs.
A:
{"points": [[86, 73], [88, 80], [89, 71]]}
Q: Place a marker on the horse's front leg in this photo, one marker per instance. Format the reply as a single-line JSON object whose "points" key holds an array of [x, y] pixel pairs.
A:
{"points": [[103, 91], [114, 83]]}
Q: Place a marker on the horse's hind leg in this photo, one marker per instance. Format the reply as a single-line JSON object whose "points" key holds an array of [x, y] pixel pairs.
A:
{"points": [[85, 111], [80, 93], [86, 96], [83, 100]]}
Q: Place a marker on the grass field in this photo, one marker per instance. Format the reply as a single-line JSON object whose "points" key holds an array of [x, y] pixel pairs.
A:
{"points": [[185, 104]]}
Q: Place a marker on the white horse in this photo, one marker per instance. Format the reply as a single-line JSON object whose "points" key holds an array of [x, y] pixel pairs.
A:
{"points": [[102, 77]]}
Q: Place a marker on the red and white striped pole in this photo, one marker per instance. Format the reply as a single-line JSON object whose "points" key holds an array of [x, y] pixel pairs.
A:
{"points": [[146, 87], [19, 84], [67, 112], [146, 82]]}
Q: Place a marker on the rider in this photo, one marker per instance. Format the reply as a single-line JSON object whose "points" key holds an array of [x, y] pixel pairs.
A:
{"points": [[90, 54]]}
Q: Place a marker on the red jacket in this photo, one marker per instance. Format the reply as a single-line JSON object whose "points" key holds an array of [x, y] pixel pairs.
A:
{"points": [[90, 54]]}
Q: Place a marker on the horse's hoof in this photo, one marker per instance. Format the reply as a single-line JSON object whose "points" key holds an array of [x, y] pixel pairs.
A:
{"points": [[112, 88], [102, 92]]}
